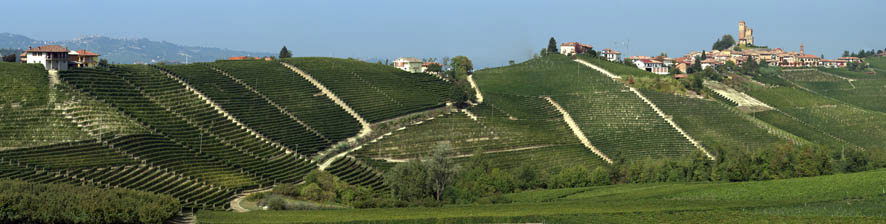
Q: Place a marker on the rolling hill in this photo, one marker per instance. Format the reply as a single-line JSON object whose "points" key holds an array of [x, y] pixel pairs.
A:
{"points": [[205, 133]]}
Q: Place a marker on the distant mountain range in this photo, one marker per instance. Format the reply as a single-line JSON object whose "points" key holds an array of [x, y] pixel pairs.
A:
{"points": [[129, 51]]}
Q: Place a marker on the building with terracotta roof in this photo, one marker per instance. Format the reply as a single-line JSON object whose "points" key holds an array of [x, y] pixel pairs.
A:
{"points": [[571, 48], [409, 64], [55, 57], [83, 59], [611, 55], [653, 66]]}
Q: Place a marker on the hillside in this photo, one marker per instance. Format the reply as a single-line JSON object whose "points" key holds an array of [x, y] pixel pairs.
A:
{"points": [[200, 132], [205, 133]]}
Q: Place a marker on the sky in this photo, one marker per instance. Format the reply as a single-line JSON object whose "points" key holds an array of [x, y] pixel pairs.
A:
{"points": [[490, 32]]}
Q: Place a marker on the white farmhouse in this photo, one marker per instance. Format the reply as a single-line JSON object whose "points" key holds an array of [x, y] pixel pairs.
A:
{"points": [[53, 57], [409, 64], [651, 66], [611, 55]]}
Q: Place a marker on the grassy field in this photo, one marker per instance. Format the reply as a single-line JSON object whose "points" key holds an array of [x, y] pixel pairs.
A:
{"points": [[853, 198]]}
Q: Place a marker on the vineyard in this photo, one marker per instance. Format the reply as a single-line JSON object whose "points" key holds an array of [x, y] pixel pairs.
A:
{"points": [[713, 123], [205, 133], [251, 108], [296, 95], [855, 125], [377, 92]]}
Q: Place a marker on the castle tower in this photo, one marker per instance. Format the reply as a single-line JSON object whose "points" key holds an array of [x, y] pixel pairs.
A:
{"points": [[749, 36], [741, 28], [802, 50]]}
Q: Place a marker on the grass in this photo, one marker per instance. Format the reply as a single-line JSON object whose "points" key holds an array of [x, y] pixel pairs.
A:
{"points": [[777, 200]]}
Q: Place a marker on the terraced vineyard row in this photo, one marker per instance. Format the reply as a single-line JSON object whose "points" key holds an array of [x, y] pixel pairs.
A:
{"points": [[623, 127], [172, 112], [355, 172], [861, 127], [297, 95], [867, 91], [712, 123], [95, 163], [250, 108], [377, 92]]}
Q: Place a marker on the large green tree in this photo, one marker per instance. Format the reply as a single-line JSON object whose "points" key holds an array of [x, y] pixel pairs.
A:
{"points": [[724, 42], [552, 45]]}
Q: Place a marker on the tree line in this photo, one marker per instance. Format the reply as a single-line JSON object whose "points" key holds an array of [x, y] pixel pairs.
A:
{"points": [[26, 202], [436, 179]]}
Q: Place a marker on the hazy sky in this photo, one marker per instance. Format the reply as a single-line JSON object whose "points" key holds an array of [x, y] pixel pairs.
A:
{"points": [[489, 32]]}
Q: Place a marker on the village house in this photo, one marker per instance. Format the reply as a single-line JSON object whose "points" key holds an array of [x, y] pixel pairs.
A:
{"points": [[710, 63], [653, 66], [53, 57], [572, 48], [58, 58], [850, 59], [409, 64], [238, 58], [83, 59], [833, 63], [611, 55]]}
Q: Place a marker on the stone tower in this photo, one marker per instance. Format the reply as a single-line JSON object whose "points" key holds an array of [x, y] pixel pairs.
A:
{"points": [[749, 35], [802, 49], [745, 34]]}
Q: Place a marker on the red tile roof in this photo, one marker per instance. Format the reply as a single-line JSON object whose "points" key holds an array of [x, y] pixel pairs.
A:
{"points": [[86, 53], [49, 48], [808, 56], [849, 58]]}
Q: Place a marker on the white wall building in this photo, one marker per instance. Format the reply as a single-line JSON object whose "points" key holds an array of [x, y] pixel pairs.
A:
{"points": [[651, 66], [611, 55], [409, 64], [53, 57]]}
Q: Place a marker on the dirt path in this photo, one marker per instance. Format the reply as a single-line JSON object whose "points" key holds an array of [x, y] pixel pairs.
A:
{"points": [[235, 204], [476, 88], [392, 160]]}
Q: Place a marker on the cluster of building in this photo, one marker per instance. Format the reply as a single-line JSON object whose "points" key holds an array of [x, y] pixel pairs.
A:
{"points": [[414, 65], [55, 57], [573, 48], [740, 55], [240, 58]]}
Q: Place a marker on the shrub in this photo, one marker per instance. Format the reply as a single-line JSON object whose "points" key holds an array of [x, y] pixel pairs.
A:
{"points": [[25, 202]]}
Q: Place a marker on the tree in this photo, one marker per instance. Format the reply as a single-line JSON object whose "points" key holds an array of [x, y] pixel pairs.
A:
{"points": [[285, 53], [460, 68], [441, 170], [846, 54], [434, 67], [704, 55], [552, 45], [9, 58], [510, 62], [724, 42]]}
